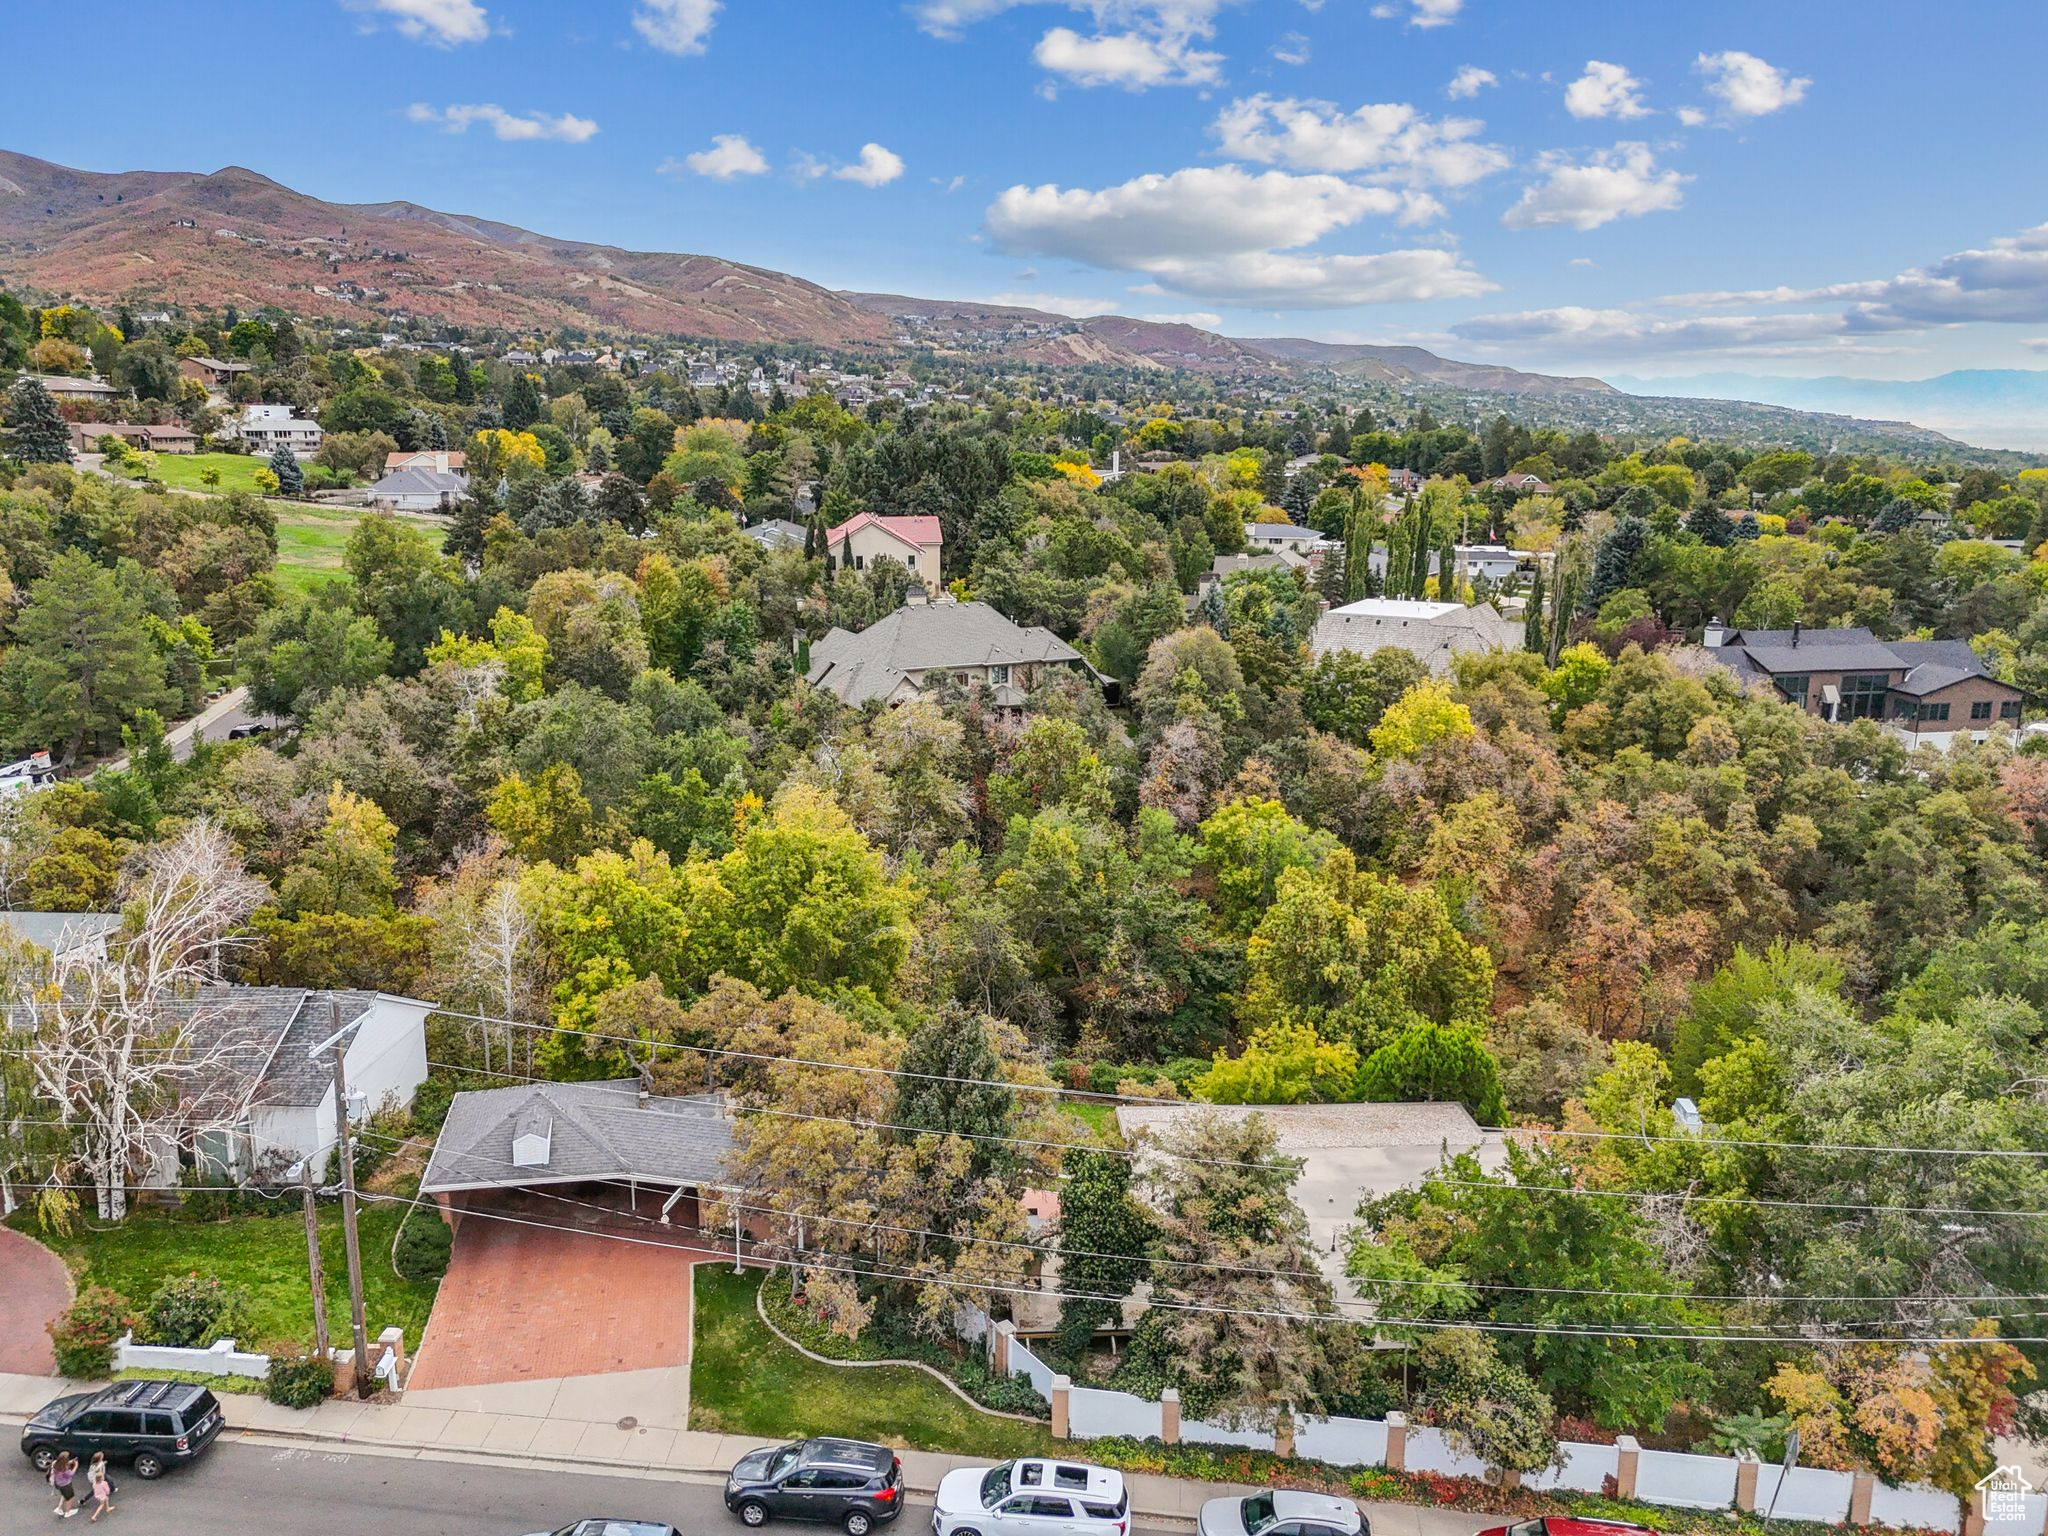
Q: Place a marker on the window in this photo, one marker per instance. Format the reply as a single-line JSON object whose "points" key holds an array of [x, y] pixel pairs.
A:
{"points": [[1257, 1512], [157, 1424], [2009, 710], [1002, 675], [841, 1480], [1981, 710], [1056, 1509], [1795, 687], [1933, 711], [1863, 695]]}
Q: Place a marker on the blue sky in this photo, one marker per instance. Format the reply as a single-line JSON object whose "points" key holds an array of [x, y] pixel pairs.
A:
{"points": [[1800, 187]]}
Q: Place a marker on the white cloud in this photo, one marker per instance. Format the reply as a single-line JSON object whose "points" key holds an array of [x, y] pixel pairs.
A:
{"points": [[1198, 213], [443, 23], [1692, 117], [1230, 235], [676, 26], [1284, 280], [1622, 182], [1201, 319], [1389, 140], [1747, 86], [1421, 13], [1133, 60], [1605, 90], [565, 128], [1054, 304], [2036, 343], [1631, 332], [729, 157], [1135, 44], [1469, 82], [1293, 48], [876, 167]]}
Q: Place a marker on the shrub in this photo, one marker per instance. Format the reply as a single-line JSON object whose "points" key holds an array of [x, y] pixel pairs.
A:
{"points": [[192, 1311], [83, 1336], [423, 1246], [299, 1381]]}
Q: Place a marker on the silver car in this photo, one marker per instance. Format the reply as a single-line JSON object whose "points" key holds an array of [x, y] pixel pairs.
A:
{"points": [[1283, 1512]]}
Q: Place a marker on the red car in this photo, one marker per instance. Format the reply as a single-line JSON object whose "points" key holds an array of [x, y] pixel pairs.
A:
{"points": [[1570, 1525]]}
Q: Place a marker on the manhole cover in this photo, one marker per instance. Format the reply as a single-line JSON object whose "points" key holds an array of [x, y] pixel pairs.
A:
{"points": [[629, 1422]]}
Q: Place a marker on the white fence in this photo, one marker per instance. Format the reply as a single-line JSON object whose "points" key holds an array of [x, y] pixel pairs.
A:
{"points": [[1699, 1482], [1650, 1477], [1094, 1414], [1804, 1493], [1580, 1468], [1342, 1442], [1430, 1450], [221, 1360]]}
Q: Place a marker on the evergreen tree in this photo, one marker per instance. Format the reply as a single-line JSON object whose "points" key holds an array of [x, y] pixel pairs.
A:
{"points": [[1448, 576], [1533, 632], [1614, 562], [1332, 583], [1298, 501], [1896, 516], [522, 403], [1710, 525], [778, 402], [83, 663], [35, 434], [465, 381], [465, 538], [291, 480], [437, 433]]}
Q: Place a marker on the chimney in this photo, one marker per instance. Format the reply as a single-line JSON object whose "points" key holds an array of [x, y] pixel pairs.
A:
{"points": [[1116, 461], [1715, 635], [1796, 627], [915, 596]]}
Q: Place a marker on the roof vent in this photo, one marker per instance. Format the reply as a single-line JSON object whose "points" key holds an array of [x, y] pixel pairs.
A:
{"points": [[533, 1135]]}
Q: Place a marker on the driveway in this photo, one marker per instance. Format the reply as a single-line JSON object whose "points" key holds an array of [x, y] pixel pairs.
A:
{"points": [[34, 1287], [533, 1304]]}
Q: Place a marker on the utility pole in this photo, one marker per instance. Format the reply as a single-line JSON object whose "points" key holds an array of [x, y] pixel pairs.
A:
{"points": [[313, 1258], [364, 1385]]}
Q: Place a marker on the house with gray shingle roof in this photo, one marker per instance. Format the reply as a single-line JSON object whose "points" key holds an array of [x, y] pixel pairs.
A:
{"points": [[926, 644], [62, 935], [418, 490], [614, 1136], [262, 1100]]}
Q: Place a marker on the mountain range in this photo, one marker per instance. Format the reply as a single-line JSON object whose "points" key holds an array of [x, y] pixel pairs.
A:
{"points": [[155, 239], [150, 238]]}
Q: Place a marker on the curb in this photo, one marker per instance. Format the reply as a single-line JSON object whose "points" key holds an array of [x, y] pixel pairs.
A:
{"points": [[415, 1449]]}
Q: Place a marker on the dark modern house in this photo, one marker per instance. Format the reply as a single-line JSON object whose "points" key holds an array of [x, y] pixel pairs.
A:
{"points": [[1931, 692]]}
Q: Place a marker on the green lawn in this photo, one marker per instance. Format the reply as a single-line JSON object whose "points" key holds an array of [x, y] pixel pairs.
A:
{"points": [[745, 1381], [311, 538], [1099, 1118], [186, 470], [266, 1255]]}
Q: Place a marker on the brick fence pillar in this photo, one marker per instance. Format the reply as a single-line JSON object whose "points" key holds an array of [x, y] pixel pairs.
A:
{"points": [[1397, 1442], [1169, 1416], [1746, 1469], [999, 1358], [1062, 1390], [1626, 1453], [1860, 1493]]}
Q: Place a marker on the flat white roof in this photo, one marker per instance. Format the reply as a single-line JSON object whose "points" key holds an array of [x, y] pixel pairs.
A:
{"points": [[1395, 608]]}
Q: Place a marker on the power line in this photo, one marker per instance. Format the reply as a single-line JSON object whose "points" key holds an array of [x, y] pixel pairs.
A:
{"points": [[1268, 1270], [1488, 1326], [1136, 1154], [1142, 1101]]}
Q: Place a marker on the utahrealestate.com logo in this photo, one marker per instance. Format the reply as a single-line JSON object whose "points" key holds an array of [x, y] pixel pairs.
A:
{"points": [[2004, 1494]]}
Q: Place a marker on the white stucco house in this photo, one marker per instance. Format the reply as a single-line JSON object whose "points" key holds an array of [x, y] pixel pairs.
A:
{"points": [[1430, 632]]}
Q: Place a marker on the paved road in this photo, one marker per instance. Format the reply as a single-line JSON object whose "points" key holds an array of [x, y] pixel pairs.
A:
{"points": [[248, 1489]]}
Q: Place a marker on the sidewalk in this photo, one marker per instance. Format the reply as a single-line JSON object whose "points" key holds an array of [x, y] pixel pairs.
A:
{"points": [[608, 1446]]}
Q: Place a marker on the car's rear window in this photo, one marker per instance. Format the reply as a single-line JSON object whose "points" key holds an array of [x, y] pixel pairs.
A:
{"points": [[1104, 1511], [200, 1406]]}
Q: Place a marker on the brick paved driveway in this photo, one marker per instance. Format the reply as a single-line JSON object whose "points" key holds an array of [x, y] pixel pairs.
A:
{"points": [[525, 1303], [34, 1287]]}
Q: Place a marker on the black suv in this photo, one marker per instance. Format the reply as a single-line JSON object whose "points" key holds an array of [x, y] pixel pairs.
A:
{"points": [[856, 1484], [153, 1424]]}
